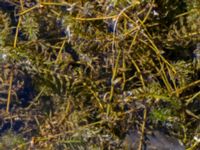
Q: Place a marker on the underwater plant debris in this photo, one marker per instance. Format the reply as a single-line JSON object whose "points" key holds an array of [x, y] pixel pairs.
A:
{"points": [[107, 74]]}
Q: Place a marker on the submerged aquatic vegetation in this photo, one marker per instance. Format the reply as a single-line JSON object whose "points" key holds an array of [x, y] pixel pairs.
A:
{"points": [[11, 141], [83, 74]]}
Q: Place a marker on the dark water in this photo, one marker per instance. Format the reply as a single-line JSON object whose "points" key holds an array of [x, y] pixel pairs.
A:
{"points": [[20, 99]]}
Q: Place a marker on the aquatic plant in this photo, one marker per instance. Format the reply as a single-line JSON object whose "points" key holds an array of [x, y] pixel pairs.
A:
{"points": [[82, 74]]}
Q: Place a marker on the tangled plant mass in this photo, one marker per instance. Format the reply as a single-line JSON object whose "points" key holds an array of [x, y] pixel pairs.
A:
{"points": [[90, 74]]}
